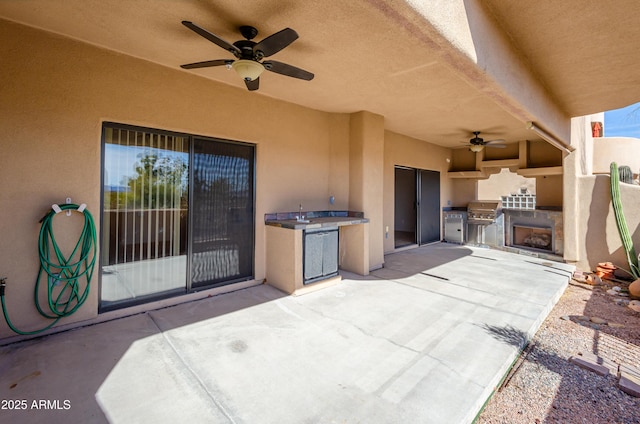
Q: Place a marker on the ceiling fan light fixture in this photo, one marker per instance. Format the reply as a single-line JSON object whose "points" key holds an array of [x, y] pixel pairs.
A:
{"points": [[476, 148], [248, 70]]}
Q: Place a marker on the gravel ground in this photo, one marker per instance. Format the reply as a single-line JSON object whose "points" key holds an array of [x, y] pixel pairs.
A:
{"points": [[546, 388]]}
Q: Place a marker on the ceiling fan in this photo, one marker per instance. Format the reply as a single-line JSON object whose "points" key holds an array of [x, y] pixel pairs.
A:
{"points": [[476, 143], [248, 54]]}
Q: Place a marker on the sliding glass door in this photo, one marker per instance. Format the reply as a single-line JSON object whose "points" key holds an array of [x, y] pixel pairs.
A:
{"points": [[178, 214], [417, 206], [222, 226]]}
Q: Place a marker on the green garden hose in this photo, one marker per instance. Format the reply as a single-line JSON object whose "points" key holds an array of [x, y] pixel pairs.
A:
{"points": [[625, 236], [64, 275]]}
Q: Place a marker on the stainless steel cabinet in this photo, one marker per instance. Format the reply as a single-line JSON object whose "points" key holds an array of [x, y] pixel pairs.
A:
{"points": [[320, 254], [454, 228], [490, 235]]}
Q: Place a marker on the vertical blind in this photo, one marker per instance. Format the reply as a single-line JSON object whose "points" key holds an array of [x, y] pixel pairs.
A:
{"points": [[146, 188], [144, 222]]}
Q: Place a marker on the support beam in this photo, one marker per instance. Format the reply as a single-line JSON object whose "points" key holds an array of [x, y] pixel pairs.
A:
{"points": [[472, 42], [366, 166]]}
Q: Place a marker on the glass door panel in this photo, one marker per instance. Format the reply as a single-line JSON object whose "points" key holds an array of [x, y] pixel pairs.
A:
{"points": [[144, 226], [405, 207], [429, 206], [222, 211]]}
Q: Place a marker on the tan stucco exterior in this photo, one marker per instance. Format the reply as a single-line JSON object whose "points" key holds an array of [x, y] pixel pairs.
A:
{"points": [[623, 150], [285, 253], [52, 118], [61, 92], [365, 177], [503, 184], [408, 87], [599, 239], [591, 232], [408, 152]]}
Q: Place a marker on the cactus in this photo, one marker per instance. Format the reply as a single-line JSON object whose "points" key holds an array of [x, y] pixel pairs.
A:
{"points": [[625, 174], [621, 222]]}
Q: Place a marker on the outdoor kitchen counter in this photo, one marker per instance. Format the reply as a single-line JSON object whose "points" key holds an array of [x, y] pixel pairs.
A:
{"points": [[320, 222], [285, 247]]}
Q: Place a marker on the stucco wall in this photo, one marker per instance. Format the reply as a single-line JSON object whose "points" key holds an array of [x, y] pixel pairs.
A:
{"points": [[575, 165], [590, 232], [549, 190], [504, 183], [57, 92], [366, 151], [599, 240], [622, 150], [462, 160], [463, 191], [400, 150], [541, 154]]}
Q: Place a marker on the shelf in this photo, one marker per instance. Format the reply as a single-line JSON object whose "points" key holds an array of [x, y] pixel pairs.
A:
{"points": [[501, 163], [540, 172], [467, 174], [506, 163]]}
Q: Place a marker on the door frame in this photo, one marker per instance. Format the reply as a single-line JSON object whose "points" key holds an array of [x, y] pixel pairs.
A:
{"points": [[187, 288], [422, 208], [418, 206], [412, 204], [191, 288]]}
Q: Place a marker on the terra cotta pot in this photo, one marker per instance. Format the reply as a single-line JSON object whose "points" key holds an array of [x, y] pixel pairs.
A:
{"points": [[605, 270], [634, 289]]}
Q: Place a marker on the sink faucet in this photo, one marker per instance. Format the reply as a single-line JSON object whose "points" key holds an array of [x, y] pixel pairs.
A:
{"points": [[300, 216]]}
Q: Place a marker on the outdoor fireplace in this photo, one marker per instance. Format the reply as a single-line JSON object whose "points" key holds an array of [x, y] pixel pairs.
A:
{"points": [[530, 237], [538, 231]]}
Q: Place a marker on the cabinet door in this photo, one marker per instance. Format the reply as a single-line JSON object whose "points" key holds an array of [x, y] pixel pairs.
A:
{"points": [[330, 253], [313, 252]]}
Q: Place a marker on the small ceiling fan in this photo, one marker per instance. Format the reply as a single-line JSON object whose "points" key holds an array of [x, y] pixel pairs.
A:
{"points": [[476, 143], [248, 54]]}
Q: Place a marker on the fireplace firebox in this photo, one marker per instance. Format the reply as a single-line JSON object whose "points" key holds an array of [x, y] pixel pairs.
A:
{"points": [[531, 237]]}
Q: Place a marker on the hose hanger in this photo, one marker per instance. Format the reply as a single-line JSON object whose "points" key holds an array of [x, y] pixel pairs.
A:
{"points": [[67, 277], [57, 209]]}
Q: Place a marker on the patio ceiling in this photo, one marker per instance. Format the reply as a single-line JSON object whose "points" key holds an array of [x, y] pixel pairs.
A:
{"points": [[381, 56]]}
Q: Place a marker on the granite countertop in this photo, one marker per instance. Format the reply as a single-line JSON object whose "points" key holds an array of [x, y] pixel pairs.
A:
{"points": [[316, 219]]}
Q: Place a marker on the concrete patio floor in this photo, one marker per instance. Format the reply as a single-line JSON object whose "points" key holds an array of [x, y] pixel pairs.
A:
{"points": [[426, 339]]}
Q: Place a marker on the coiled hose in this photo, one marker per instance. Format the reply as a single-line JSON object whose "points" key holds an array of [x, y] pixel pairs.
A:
{"points": [[625, 236], [65, 294]]}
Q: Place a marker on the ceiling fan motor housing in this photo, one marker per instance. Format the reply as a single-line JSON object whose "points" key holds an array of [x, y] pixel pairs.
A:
{"points": [[476, 140], [246, 49]]}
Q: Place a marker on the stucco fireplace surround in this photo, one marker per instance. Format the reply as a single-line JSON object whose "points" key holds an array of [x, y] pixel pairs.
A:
{"points": [[539, 230]]}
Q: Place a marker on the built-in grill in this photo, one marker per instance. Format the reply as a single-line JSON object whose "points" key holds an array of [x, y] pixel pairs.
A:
{"points": [[485, 223], [483, 211]]}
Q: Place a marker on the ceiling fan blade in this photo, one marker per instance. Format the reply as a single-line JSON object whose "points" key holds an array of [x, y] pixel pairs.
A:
{"points": [[496, 146], [494, 141], [288, 70], [253, 85], [212, 37], [276, 42], [207, 64]]}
